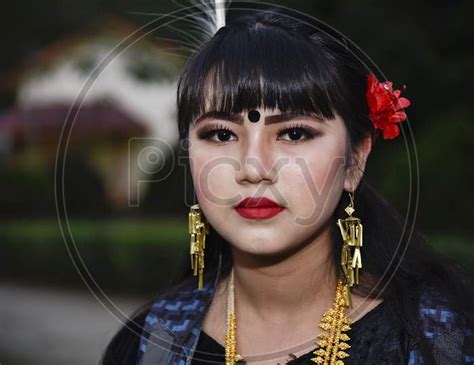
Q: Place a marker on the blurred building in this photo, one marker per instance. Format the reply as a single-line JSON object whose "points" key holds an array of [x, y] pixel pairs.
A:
{"points": [[111, 90]]}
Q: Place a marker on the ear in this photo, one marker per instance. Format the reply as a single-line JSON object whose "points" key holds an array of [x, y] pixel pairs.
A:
{"points": [[356, 167]]}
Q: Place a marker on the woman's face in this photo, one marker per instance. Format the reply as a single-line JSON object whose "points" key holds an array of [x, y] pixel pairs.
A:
{"points": [[297, 161]]}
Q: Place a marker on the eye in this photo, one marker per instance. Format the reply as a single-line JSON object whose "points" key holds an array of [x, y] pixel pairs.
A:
{"points": [[297, 132], [215, 133]]}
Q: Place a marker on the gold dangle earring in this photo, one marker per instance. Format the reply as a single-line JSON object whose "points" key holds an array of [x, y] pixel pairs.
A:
{"points": [[335, 322], [198, 229], [351, 259]]}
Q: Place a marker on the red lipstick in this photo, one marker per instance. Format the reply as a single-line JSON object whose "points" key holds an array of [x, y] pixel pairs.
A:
{"points": [[258, 208]]}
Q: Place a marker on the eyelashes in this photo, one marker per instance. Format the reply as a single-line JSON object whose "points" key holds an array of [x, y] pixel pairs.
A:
{"points": [[210, 129], [221, 130], [299, 128]]}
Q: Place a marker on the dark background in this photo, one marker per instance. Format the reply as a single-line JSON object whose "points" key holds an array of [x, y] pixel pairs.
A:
{"points": [[135, 251], [428, 48]]}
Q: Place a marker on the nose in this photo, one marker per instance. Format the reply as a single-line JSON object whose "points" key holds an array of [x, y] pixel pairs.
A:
{"points": [[256, 162]]}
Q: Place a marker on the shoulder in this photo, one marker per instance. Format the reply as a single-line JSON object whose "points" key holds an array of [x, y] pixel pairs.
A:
{"points": [[123, 348], [177, 308], [182, 297], [172, 320], [166, 308], [437, 312], [446, 329]]}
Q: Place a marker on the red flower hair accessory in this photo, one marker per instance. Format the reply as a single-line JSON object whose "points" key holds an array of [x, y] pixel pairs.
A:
{"points": [[385, 107]]}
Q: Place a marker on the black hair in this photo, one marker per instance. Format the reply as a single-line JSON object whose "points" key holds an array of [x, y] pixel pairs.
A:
{"points": [[273, 59], [269, 59]]}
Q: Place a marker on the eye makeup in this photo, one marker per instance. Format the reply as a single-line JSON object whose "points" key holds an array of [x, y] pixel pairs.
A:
{"points": [[306, 130], [207, 131], [211, 130]]}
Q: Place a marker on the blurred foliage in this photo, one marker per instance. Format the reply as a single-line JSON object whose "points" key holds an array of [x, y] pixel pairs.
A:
{"points": [[428, 48], [446, 178], [136, 257], [127, 256], [29, 189], [457, 247]]}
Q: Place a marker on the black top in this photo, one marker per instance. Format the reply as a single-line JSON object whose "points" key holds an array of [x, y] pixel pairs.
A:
{"points": [[376, 338]]}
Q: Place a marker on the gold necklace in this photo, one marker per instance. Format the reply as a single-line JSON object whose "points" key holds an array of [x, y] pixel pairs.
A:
{"points": [[332, 342]]}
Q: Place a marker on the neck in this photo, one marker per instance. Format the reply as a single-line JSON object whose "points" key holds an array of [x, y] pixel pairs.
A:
{"points": [[286, 288]]}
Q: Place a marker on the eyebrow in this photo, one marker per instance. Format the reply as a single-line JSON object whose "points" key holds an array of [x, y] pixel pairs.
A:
{"points": [[280, 118], [234, 118], [272, 119]]}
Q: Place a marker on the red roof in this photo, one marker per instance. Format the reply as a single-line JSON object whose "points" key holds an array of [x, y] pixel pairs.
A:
{"points": [[102, 120]]}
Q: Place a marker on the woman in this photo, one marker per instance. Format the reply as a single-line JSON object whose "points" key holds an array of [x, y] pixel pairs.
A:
{"points": [[279, 119]]}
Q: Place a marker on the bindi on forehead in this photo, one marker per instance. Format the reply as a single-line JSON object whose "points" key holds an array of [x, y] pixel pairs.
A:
{"points": [[254, 116]]}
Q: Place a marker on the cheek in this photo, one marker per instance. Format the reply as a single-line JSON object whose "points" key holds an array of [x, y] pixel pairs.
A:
{"points": [[319, 178], [212, 178]]}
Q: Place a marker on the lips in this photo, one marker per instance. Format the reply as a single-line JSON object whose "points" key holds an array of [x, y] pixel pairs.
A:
{"points": [[258, 208]]}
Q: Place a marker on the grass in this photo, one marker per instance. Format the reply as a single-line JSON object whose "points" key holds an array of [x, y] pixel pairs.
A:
{"points": [[162, 232], [129, 232], [125, 255]]}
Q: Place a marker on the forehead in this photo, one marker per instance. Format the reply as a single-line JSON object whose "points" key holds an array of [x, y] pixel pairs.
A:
{"points": [[267, 115]]}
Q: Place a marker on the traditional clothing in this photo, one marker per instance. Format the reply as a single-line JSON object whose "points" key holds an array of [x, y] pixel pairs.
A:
{"points": [[173, 331]]}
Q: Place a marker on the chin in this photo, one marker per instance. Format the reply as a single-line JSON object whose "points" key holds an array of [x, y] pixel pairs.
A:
{"points": [[256, 246]]}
